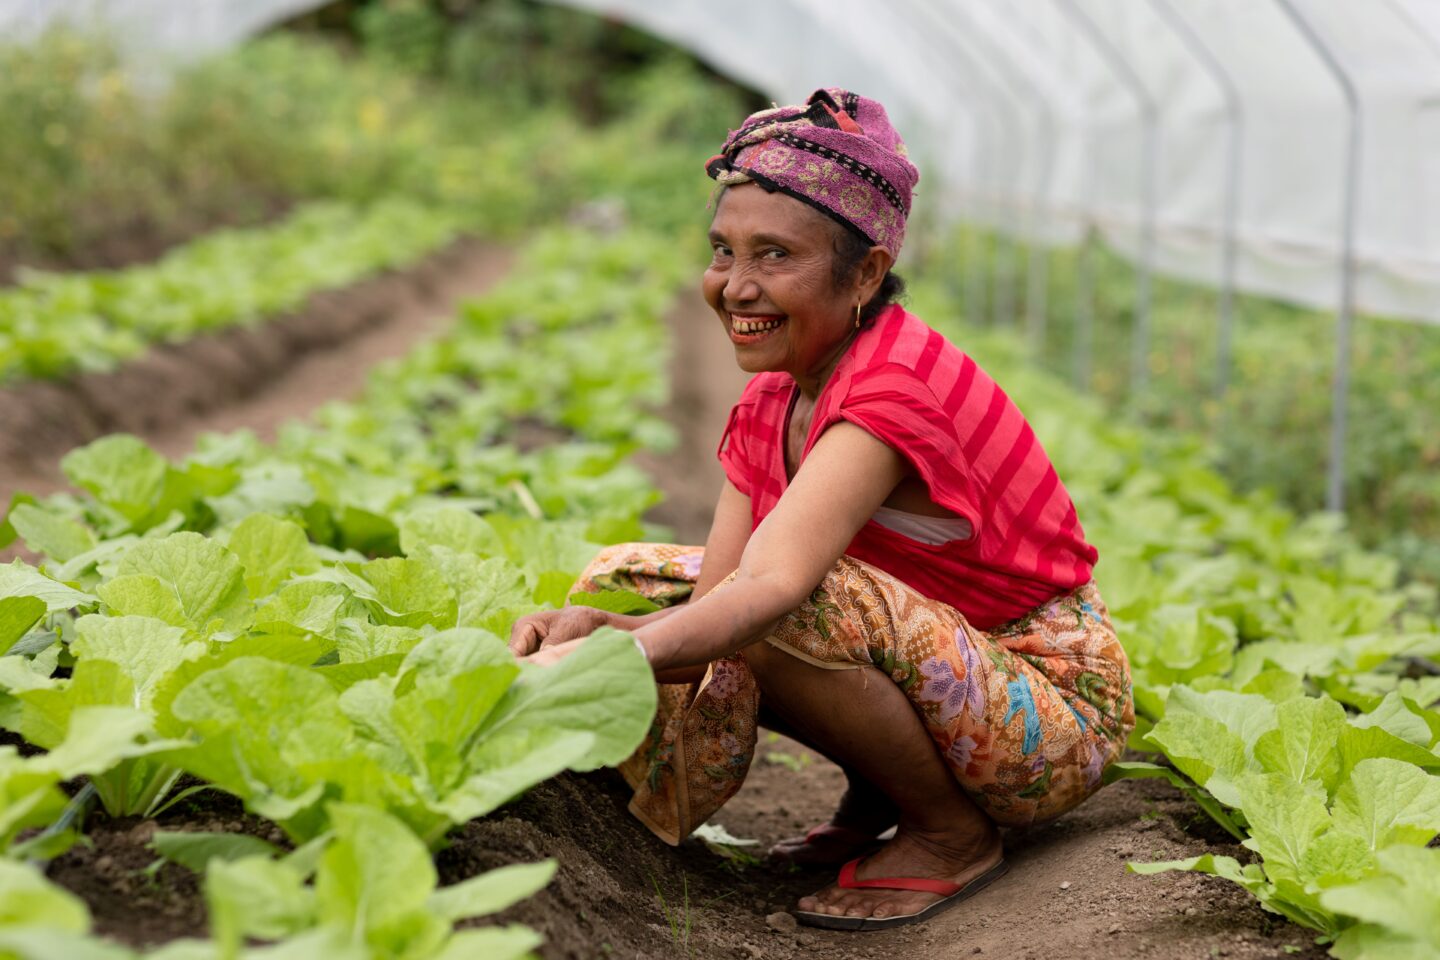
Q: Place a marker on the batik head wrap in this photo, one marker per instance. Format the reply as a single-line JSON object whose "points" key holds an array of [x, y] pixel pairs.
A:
{"points": [[837, 153]]}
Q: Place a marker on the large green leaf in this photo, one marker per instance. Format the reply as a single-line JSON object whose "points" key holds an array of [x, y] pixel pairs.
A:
{"points": [[17, 616], [19, 579], [255, 896], [491, 892], [375, 879], [29, 798], [253, 716], [46, 710], [1395, 717], [493, 943], [1305, 744], [408, 592], [144, 648], [51, 534], [484, 587], [206, 581], [312, 607], [1404, 901], [271, 550], [1389, 801], [121, 472], [98, 737], [1285, 818], [605, 688], [1204, 750], [510, 762], [455, 528]]}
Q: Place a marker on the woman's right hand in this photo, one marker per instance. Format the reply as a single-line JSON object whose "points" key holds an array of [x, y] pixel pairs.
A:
{"points": [[551, 627]]}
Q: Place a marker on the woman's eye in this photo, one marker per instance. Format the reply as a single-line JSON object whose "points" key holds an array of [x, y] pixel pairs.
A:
{"points": [[774, 254], [720, 250]]}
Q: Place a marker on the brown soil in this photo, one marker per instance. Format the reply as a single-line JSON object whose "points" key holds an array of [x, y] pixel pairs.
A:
{"points": [[133, 895], [705, 383], [111, 245], [252, 377], [622, 893]]}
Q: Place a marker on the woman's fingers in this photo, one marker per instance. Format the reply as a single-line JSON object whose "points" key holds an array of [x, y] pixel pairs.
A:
{"points": [[550, 628], [554, 653], [526, 636], [571, 623]]}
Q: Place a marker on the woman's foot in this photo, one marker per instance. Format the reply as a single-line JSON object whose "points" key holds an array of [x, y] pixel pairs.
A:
{"points": [[913, 853], [863, 815], [828, 845]]}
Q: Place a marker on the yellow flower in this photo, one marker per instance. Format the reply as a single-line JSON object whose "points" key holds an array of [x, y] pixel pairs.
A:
{"points": [[372, 116]]}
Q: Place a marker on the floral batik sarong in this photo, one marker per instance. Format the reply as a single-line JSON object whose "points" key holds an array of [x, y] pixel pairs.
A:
{"points": [[1027, 715]]}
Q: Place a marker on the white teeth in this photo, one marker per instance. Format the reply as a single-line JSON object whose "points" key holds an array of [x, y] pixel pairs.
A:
{"points": [[754, 326]]}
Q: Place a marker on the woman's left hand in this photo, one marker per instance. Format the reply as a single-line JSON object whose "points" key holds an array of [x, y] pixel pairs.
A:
{"points": [[548, 656]]}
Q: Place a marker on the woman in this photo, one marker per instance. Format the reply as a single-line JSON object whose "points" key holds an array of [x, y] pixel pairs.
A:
{"points": [[894, 570]]}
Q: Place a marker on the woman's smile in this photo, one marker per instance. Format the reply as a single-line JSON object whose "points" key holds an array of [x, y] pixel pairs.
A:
{"points": [[749, 329]]}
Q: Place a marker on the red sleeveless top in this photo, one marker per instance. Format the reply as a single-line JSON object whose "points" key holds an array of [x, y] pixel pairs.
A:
{"points": [[907, 385]]}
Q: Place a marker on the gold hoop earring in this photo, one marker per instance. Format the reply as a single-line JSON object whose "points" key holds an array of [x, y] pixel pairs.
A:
{"points": [[857, 315]]}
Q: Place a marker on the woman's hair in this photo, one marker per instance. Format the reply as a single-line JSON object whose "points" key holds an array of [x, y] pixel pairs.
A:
{"points": [[850, 250]]}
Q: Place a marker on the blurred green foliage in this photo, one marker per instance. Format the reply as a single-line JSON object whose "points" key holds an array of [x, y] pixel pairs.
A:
{"points": [[526, 54], [1272, 429], [91, 153]]}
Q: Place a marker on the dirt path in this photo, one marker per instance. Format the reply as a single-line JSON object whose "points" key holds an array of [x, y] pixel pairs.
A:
{"points": [[255, 378], [338, 372], [705, 383], [1067, 894]]}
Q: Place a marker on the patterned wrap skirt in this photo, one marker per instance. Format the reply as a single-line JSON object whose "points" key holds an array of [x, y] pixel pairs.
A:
{"points": [[1026, 715]]}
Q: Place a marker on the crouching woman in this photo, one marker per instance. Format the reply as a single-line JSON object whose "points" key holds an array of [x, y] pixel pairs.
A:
{"points": [[895, 574]]}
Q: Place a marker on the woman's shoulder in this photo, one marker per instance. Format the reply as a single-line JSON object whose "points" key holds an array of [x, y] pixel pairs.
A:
{"points": [[902, 349]]}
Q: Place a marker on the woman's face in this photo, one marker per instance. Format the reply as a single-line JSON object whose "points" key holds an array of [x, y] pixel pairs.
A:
{"points": [[770, 281]]}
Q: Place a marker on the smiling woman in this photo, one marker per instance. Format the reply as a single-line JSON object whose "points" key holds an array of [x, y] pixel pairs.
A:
{"points": [[894, 567]]}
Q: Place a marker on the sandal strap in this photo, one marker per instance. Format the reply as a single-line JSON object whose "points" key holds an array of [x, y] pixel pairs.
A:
{"points": [[942, 888]]}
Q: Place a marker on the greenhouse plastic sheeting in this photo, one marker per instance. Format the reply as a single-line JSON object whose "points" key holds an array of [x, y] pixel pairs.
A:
{"points": [[1017, 118], [176, 29]]}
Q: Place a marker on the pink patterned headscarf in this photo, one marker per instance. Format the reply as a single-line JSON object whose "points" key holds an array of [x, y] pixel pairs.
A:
{"points": [[837, 153]]}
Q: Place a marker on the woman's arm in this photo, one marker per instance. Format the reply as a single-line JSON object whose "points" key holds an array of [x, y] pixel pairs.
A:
{"points": [[844, 479], [729, 531]]}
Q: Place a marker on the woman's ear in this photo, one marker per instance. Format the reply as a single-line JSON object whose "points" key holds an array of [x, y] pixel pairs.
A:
{"points": [[873, 268]]}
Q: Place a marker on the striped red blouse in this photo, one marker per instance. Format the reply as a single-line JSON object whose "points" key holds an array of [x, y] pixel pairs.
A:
{"points": [[910, 387]]}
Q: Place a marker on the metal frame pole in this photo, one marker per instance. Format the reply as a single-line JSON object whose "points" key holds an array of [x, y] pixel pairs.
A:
{"points": [[974, 293], [1345, 316], [1234, 108], [1150, 123], [1003, 302], [1038, 261]]}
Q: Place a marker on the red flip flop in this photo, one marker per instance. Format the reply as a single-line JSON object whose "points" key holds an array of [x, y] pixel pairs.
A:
{"points": [[951, 894], [844, 841]]}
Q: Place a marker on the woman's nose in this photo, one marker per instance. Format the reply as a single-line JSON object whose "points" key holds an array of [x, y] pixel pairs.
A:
{"points": [[740, 286]]}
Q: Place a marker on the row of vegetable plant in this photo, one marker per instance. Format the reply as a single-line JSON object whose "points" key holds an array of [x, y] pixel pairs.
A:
{"points": [[52, 324], [432, 179], [1271, 427], [315, 627], [1288, 679]]}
